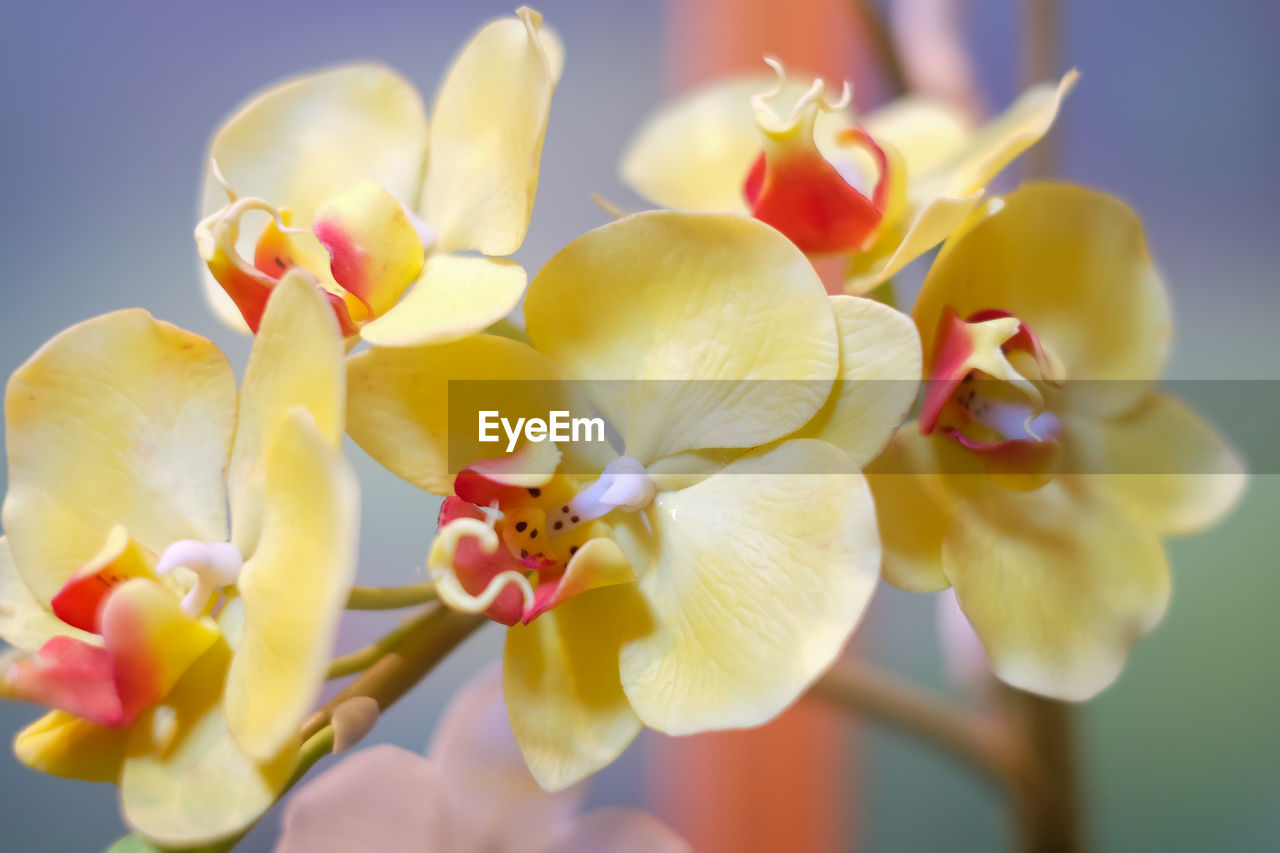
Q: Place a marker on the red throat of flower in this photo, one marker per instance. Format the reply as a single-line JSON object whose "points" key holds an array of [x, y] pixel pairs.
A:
{"points": [[798, 191], [977, 397]]}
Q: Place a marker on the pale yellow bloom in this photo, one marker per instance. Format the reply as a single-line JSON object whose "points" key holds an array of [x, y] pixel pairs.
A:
{"points": [[176, 557], [702, 575], [376, 201]]}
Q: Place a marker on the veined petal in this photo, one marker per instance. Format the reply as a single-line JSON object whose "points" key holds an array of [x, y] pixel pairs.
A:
{"points": [[65, 745], [878, 380], [382, 798], [398, 403], [375, 251], [184, 781], [700, 309], [564, 698], [913, 511], [761, 573], [308, 139], [298, 359], [695, 152], [119, 420], [1057, 583], [486, 136], [293, 586], [455, 296], [1097, 303], [26, 623], [1205, 475]]}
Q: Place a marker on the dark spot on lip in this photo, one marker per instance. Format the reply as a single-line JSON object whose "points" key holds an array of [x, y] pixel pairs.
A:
{"points": [[573, 549], [521, 525], [524, 555], [574, 519], [559, 524], [533, 534], [537, 493], [279, 263], [564, 508]]}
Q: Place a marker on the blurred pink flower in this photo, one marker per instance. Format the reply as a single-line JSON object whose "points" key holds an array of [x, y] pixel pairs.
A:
{"points": [[962, 655], [472, 794], [931, 41]]}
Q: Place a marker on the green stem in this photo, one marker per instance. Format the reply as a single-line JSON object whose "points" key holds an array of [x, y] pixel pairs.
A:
{"points": [[363, 658], [390, 597]]}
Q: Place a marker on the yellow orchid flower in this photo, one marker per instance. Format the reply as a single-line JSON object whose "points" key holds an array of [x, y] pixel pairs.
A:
{"points": [[703, 574], [338, 163], [1044, 469], [883, 189], [175, 568]]}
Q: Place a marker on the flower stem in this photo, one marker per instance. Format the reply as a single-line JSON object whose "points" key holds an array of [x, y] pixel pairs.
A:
{"points": [[1041, 62], [363, 658], [438, 632], [972, 737], [1049, 818], [390, 597]]}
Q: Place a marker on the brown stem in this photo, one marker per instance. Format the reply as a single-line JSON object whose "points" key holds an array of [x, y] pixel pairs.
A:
{"points": [[882, 44], [1040, 62], [399, 670], [1048, 819], [972, 737]]}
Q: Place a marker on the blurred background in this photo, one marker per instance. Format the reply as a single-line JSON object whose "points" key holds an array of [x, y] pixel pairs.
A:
{"points": [[106, 111]]}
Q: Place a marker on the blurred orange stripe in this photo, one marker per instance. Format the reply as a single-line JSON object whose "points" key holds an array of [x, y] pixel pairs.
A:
{"points": [[785, 786]]}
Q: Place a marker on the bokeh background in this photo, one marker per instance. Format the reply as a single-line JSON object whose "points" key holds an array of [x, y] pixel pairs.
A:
{"points": [[105, 110]]}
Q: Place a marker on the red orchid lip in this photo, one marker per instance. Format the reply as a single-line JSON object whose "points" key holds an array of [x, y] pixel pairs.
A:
{"points": [[804, 196]]}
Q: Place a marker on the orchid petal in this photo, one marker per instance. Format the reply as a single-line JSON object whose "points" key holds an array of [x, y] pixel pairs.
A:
{"points": [[564, 698], [487, 129], [700, 312], [760, 575], [26, 623], [298, 359], [395, 411], [119, 420], [294, 586], [65, 745], [878, 380], [455, 296]]}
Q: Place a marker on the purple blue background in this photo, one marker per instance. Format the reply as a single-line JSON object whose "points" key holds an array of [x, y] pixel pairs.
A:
{"points": [[105, 111]]}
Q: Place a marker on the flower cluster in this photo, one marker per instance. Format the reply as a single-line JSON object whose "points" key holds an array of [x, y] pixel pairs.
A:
{"points": [[177, 554]]}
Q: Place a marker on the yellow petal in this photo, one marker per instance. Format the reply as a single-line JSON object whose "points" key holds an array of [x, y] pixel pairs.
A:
{"points": [[694, 310], [293, 587], [878, 379], [998, 142], [26, 623], [297, 360], [560, 679], [926, 132], [308, 139], [900, 244], [399, 403], [913, 512], [695, 153], [1169, 466], [1057, 583], [120, 420], [455, 296], [184, 780], [761, 573], [61, 744], [1072, 265], [376, 251], [486, 137]]}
